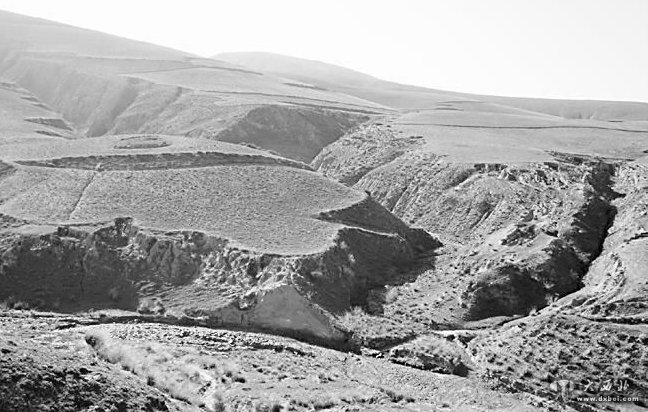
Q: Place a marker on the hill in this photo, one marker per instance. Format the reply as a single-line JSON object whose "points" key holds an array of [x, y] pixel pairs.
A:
{"points": [[406, 97], [160, 210], [102, 84], [267, 233]]}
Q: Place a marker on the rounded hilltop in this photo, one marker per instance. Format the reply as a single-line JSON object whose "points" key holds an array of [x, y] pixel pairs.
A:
{"points": [[253, 198]]}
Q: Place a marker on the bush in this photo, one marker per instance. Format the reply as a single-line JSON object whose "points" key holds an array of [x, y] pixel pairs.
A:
{"points": [[12, 303], [151, 307], [183, 376]]}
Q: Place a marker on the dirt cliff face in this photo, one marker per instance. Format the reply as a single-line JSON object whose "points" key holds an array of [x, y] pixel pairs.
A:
{"points": [[200, 276], [595, 338], [566, 235], [525, 234]]}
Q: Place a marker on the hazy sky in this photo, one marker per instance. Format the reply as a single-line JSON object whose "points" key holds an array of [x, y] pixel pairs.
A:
{"points": [[541, 48]]}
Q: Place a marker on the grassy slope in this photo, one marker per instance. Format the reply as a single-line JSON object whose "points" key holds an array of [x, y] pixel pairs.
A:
{"points": [[471, 128], [16, 106], [411, 97], [44, 35], [102, 54], [265, 208]]}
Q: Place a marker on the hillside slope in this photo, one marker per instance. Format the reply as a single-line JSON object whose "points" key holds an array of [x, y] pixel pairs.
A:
{"points": [[431, 250], [102, 84], [233, 234], [406, 97]]}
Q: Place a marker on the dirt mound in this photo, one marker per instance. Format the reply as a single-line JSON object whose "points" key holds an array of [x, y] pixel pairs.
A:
{"points": [[432, 352]]}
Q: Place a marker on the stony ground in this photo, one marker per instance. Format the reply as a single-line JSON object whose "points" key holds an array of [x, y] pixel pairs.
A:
{"points": [[69, 363]]}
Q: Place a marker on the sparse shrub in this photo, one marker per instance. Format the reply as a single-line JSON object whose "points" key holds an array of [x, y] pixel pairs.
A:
{"points": [[21, 305], [351, 319], [272, 407], [179, 375], [218, 403], [233, 372], [394, 396], [7, 303], [12, 303], [323, 402], [391, 295], [151, 307]]}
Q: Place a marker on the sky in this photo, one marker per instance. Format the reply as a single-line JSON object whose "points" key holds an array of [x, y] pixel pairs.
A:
{"points": [[580, 49]]}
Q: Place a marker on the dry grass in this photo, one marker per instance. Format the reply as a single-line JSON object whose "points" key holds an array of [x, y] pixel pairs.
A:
{"points": [[515, 145], [190, 377], [225, 81], [58, 37], [12, 303], [266, 208], [412, 97], [261, 207]]}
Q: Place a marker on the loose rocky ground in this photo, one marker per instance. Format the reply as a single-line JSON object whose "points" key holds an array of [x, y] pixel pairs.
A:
{"points": [[57, 362]]}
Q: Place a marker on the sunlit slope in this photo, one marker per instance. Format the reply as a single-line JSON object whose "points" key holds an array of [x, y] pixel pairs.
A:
{"points": [[263, 208], [168, 183], [406, 97], [39, 35], [25, 116], [102, 85]]}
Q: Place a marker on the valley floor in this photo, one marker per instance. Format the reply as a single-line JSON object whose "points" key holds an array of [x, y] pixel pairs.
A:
{"points": [[56, 362]]}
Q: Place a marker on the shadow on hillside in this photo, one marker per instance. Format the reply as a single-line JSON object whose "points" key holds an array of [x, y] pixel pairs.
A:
{"points": [[378, 297]]}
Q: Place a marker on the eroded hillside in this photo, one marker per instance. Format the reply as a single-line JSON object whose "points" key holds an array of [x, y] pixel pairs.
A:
{"points": [[557, 229], [231, 236], [280, 234], [103, 85]]}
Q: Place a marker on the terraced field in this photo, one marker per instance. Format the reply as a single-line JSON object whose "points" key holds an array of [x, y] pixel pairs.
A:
{"points": [[242, 82], [121, 145], [260, 202]]}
